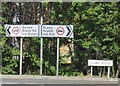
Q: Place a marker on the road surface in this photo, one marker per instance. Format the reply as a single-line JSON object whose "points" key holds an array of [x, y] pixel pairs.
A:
{"points": [[16, 80]]}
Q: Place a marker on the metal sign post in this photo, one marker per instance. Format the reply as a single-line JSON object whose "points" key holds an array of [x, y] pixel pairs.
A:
{"points": [[108, 72], [57, 57], [41, 50], [21, 41], [91, 70], [41, 41]]}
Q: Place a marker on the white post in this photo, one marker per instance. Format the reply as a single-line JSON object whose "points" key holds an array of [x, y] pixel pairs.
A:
{"points": [[41, 42], [21, 40], [41, 55], [108, 72], [91, 70], [57, 57], [41, 50]]}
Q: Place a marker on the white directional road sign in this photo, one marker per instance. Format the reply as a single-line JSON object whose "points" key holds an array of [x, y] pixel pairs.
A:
{"points": [[39, 30], [57, 31], [22, 30]]}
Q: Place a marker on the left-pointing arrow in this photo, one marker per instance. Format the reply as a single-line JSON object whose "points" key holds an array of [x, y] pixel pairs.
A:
{"points": [[8, 30], [69, 31]]}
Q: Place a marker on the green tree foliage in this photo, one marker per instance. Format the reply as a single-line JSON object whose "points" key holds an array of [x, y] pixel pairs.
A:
{"points": [[98, 25], [96, 36]]}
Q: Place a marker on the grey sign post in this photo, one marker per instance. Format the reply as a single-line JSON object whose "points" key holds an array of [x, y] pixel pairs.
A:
{"points": [[41, 40], [15, 20]]}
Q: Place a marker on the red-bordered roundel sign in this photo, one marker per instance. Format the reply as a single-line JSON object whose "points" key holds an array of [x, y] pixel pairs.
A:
{"points": [[15, 30], [60, 30]]}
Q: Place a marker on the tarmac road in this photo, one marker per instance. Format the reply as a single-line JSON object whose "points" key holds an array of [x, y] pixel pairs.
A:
{"points": [[56, 81], [58, 85]]}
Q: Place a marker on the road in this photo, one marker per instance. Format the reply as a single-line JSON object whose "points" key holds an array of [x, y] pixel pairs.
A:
{"points": [[56, 81]]}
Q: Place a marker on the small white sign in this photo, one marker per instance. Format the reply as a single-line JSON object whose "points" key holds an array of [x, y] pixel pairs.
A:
{"points": [[100, 62], [21, 30], [57, 31]]}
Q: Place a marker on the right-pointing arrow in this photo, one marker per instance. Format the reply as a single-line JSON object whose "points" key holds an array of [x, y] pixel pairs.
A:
{"points": [[69, 31]]}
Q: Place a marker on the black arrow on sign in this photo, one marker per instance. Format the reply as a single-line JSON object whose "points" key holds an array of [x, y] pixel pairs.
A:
{"points": [[8, 30], [69, 30]]}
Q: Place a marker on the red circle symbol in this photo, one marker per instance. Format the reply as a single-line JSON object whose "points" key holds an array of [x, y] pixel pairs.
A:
{"points": [[60, 31], [15, 30]]}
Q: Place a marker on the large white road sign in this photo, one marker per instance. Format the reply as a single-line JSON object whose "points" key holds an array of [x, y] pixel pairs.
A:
{"points": [[39, 31], [22, 30], [57, 31]]}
